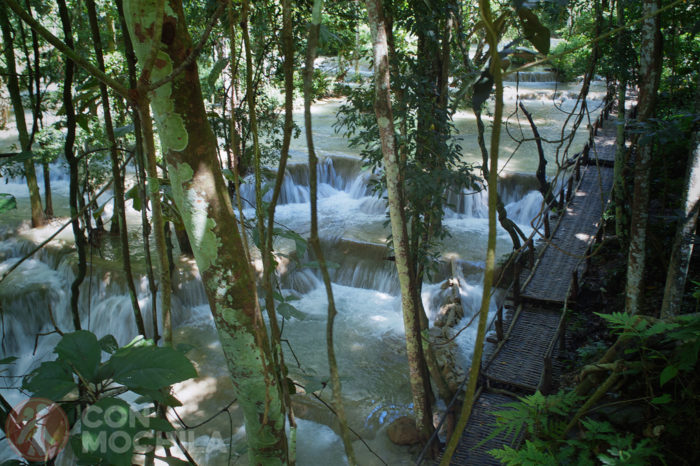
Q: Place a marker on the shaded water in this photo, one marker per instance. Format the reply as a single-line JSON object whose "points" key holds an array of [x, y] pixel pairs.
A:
{"points": [[369, 327]]}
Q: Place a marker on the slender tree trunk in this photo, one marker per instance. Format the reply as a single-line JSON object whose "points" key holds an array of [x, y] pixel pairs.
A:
{"points": [[338, 404], [385, 122], [485, 9], [649, 72], [38, 218], [268, 270], [118, 182], [141, 171], [34, 87], [682, 249], [72, 165], [619, 191], [202, 199]]}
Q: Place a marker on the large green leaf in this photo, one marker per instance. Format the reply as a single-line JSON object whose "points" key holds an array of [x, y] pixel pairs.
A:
{"points": [[150, 367], [7, 202], [52, 380], [81, 350], [535, 32], [108, 430], [288, 311], [108, 344]]}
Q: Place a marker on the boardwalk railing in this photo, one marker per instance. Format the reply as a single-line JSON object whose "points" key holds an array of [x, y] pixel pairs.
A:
{"points": [[526, 254]]}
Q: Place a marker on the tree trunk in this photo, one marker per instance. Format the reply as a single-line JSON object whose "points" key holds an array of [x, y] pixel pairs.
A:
{"points": [[140, 171], [619, 191], [338, 404], [202, 199], [682, 249], [385, 122], [38, 218], [118, 182], [649, 74], [73, 196], [496, 70]]}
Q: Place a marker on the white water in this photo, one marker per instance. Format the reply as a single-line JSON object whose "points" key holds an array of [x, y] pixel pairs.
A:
{"points": [[369, 327]]}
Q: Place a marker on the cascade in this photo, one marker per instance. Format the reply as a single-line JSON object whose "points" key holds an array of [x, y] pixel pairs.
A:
{"points": [[369, 326]]}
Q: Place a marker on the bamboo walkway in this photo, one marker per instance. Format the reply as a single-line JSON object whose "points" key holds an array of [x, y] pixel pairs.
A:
{"points": [[526, 359]]}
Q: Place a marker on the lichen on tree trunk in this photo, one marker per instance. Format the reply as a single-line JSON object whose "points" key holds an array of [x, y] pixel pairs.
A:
{"points": [[201, 197]]}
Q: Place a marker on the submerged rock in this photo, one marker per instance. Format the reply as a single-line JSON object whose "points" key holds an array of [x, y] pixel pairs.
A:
{"points": [[403, 431]]}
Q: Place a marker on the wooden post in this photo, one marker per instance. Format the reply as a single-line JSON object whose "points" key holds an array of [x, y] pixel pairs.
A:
{"points": [[589, 252], [547, 375], [578, 170], [499, 323], [562, 335], [531, 252], [586, 150], [570, 189], [516, 283], [546, 224]]}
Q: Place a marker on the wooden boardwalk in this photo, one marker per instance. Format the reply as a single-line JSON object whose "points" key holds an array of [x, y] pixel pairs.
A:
{"points": [[526, 360]]}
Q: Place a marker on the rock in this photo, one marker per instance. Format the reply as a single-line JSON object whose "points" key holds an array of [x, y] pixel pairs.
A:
{"points": [[403, 431], [449, 315]]}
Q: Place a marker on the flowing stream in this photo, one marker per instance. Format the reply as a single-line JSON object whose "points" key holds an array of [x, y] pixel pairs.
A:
{"points": [[369, 327]]}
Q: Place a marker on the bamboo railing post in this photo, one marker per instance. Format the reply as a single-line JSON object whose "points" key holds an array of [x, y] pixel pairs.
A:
{"points": [[547, 375], [570, 189], [578, 169], [499, 323], [516, 283], [562, 335]]}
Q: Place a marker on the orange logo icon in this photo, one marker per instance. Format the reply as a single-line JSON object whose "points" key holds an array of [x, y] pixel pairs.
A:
{"points": [[37, 429]]}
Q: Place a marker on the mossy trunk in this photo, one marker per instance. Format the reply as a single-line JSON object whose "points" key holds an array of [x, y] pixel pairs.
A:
{"points": [[201, 197], [399, 230], [38, 218], [649, 76]]}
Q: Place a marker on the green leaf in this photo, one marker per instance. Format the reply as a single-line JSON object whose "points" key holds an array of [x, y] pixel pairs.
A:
{"points": [[663, 399], [150, 367], [7, 202], [288, 311], [667, 374], [107, 430], [216, 71], [139, 340], [535, 32], [160, 424], [135, 195], [83, 121], [97, 213], [161, 396], [52, 380], [81, 351], [9, 360], [108, 344], [83, 457]]}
